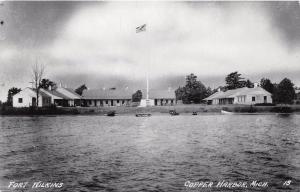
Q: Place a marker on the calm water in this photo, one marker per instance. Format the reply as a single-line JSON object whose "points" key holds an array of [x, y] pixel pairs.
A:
{"points": [[160, 153]]}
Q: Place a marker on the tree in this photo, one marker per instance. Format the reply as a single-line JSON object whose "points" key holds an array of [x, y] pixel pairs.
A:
{"points": [[209, 91], [267, 85], [179, 93], [285, 92], [46, 83], [37, 76], [137, 96], [193, 91], [249, 84], [234, 81], [80, 89], [11, 92]]}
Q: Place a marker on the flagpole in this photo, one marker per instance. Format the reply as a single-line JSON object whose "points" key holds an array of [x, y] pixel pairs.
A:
{"points": [[139, 29], [147, 85], [148, 64]]}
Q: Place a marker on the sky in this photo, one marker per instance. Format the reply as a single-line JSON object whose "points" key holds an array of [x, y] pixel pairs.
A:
{"points": [[96, 43]]}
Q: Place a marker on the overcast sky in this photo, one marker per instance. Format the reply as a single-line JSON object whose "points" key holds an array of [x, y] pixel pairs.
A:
{"points": [[96, 43]]}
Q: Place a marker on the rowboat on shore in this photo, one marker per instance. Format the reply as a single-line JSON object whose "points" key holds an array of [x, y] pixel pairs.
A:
{"points": [[173, 112], [227, 112], [111, 113], [243, 113], [143, 115]]}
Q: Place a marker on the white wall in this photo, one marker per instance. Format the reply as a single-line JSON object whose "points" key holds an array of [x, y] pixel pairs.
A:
{"points": [[215, 101], [248, 100], [27, 99], [26, 95], [145, 102], [258, 99]]}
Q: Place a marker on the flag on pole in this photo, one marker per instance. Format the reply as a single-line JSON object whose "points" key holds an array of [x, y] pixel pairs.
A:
{"points": [[141, 28]]}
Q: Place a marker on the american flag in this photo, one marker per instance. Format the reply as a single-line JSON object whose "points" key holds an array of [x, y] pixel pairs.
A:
{"points": [[141, 28]]}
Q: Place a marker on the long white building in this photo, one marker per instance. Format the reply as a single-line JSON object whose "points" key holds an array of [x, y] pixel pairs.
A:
{"points": [[100, 97], [245, 95]]}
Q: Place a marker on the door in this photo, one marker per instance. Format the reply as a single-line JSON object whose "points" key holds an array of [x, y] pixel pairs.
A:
{"points": [[33, 101], [265, 99]]}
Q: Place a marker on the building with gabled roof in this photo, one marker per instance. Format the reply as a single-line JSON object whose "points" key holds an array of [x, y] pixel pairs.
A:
{"points": [[109, 97], [245, 95], [63, 97], [118, 97], [27, 98]]}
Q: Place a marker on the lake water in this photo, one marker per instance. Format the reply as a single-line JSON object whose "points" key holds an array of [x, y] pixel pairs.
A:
{"points": [[158, 153]]}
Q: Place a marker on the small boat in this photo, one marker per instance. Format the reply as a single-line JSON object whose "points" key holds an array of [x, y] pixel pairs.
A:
{"points": [[194, 113], [111, 113], [173, 112], [241, 113], [143, 115], [227, 112], [284, 114]]}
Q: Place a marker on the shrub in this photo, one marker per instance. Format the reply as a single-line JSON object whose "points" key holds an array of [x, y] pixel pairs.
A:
{"points": [[282, 109], [264, 104]]}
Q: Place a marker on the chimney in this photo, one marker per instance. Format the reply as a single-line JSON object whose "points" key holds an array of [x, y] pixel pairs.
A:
{"points": [[50, 88], [256, 84], [219, 89]]}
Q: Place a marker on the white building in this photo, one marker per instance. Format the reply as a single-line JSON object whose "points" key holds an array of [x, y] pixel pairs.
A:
{"points": [[159, 97], [27, 98], [245, 95], [105, 98], [59, 97]]}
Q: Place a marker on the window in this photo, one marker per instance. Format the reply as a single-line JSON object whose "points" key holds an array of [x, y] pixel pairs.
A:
{"points": [[20, 100], [253, 98], [106, 101], [117, 101]]}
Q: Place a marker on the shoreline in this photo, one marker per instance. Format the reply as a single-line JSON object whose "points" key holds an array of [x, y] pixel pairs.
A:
{"points": [[181, 109]]}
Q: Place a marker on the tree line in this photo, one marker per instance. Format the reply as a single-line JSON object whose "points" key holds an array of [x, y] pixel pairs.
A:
{"points": [[194, 91]]}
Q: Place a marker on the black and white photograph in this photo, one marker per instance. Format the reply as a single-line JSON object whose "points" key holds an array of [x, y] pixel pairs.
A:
{"points": [[149, 96]]}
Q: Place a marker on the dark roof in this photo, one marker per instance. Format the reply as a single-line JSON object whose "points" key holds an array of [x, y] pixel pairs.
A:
{"points": [[159, 94], [126, 94], [72, 91], [106, 94]]}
